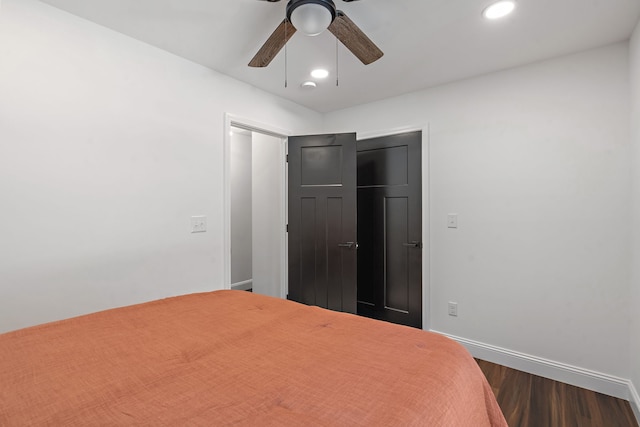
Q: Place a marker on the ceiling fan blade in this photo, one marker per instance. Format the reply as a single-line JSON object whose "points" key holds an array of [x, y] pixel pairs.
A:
{"points": [[354, 39], [273, 45]]}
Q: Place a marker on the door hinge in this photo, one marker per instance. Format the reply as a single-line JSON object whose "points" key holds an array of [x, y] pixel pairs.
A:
{"points": [[287, 228], [287, 158]]}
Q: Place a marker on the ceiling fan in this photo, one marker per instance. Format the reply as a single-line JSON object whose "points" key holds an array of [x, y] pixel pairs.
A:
{"points": [[312, 17]]}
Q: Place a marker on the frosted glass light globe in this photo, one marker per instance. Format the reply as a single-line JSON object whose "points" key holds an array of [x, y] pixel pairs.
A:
{"points": [[311, 19]]}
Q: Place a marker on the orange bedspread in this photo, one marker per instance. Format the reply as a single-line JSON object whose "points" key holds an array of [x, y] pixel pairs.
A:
{"points": [[235, 358]]}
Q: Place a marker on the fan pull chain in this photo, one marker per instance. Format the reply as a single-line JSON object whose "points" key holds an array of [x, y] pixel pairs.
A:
{"points": [[286, 26], [337, 66]]}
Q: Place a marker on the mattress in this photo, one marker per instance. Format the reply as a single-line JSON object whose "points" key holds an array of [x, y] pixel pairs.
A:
{"points": [[236, 358]]}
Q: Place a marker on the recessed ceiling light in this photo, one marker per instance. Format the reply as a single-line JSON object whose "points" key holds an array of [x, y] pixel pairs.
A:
{"points": [[499, 9], [308, 85], [319, 74]]}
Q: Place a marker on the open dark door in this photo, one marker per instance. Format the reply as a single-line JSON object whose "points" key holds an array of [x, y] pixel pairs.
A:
{"points": [[323, 221]]}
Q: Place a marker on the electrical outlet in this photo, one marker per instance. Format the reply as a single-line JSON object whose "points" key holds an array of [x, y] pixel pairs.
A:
{"points": [[453, 309], [198, 224]]}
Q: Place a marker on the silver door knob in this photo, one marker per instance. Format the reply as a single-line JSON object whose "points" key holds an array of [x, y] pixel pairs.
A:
{"points": [[412, 245], [348, 245]]}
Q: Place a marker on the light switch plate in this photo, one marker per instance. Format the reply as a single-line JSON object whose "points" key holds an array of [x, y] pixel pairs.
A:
{"points": [[198, 224], [452, 220], [453, 309]]}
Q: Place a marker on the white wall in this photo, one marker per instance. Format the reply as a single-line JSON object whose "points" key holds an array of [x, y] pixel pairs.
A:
{"points": [[107, 147], [268, 212], [635, 261], [535, 161], [241, 194]]}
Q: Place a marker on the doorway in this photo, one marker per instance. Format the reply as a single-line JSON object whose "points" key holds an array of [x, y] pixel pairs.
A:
{"points": [[232, 120], [257, 211]]}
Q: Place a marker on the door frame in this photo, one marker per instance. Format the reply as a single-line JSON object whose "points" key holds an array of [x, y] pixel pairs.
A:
{"points": [[231, 120], [426, 236], [252, 125]]}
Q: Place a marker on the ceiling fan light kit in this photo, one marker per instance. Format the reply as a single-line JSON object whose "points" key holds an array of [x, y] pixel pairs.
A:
{"points": [[311, 17]]}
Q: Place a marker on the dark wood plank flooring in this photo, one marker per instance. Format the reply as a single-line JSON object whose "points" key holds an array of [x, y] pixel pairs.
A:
{"points": [[531, 401]]}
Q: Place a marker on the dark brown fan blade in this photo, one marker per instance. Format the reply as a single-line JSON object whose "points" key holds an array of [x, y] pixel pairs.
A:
{"points": [[273, 45], [354, 39]]}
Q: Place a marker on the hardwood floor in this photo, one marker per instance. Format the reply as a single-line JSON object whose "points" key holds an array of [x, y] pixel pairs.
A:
{"points": [[531, 401]]}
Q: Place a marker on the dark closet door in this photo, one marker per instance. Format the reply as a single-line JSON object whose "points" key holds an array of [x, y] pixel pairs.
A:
{"points": [[390, 228], [322, 221]]}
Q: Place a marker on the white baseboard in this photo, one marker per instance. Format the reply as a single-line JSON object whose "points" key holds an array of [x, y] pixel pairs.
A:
{"points": [[634, 400], [585, 378], [242, 286]]}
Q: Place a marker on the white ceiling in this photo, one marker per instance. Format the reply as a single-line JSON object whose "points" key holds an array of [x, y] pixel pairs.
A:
{"points": [[426, 42]]}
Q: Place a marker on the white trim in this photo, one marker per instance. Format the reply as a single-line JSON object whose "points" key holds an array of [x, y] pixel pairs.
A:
{"points": [[285, 235], [426, 213], [426, 228], [580, 377], [254, 126], [242, 286], [393, 131], [634, 400]]}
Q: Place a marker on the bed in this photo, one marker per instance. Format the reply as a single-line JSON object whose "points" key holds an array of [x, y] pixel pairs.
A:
{"points": [[236, 358]]}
